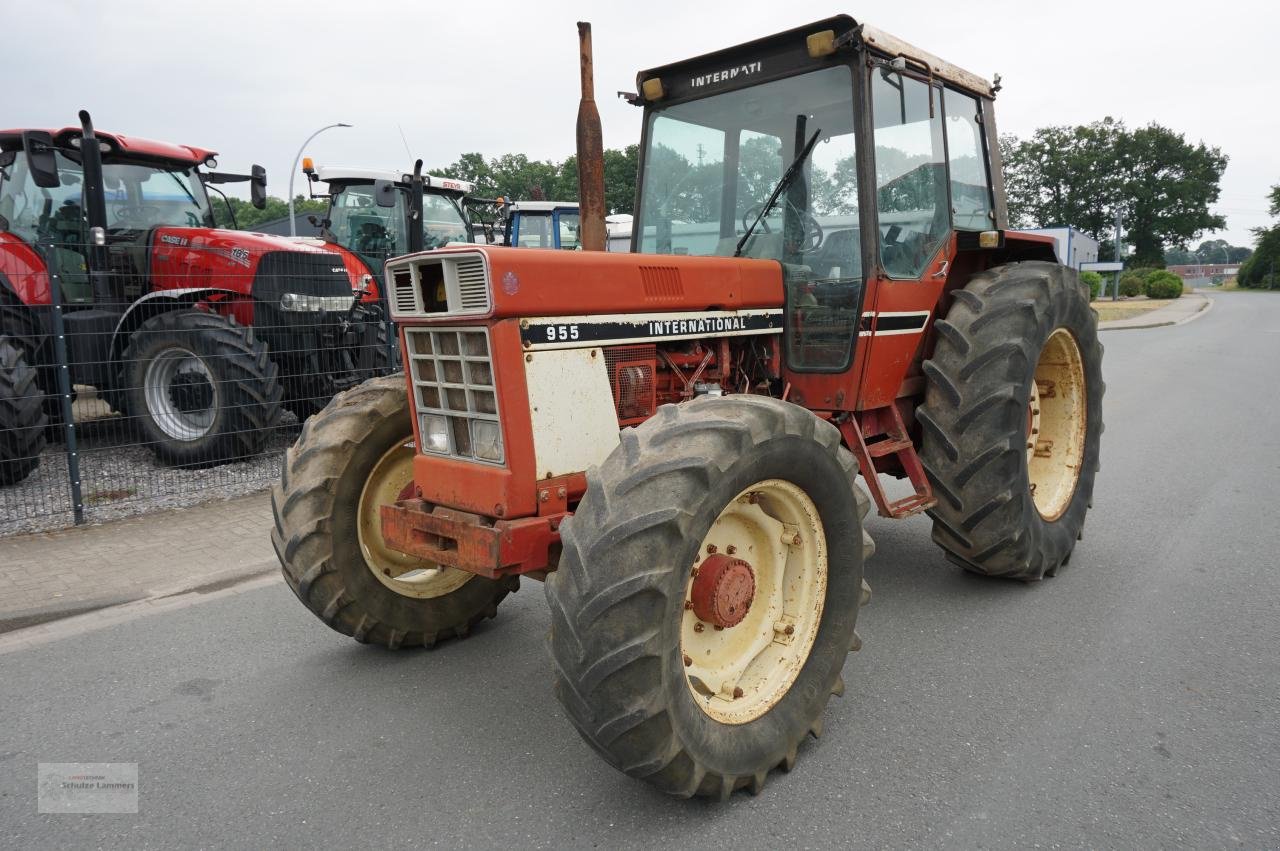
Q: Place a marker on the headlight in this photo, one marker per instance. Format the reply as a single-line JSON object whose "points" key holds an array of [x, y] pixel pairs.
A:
{"points": [[303, 303], [486, 440], [435, 433]]}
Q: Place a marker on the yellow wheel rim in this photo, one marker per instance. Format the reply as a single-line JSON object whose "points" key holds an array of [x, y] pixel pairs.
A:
{"points": [[402, 573], [1057, 412], [740, 672]]}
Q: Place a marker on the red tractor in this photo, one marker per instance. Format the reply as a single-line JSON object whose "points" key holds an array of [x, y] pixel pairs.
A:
{"points": [[823, 286], [198, 333]]}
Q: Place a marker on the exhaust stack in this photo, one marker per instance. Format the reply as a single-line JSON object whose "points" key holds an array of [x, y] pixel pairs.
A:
{"points": [[590, 152]]}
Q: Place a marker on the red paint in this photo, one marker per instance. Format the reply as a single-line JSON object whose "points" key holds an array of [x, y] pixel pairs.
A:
{"points": [[722, 590]]}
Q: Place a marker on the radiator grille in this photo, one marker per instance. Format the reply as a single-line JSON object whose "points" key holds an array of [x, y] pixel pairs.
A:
{"points": [[433, 285], [453, 381], [473, 285], [405, 293]]}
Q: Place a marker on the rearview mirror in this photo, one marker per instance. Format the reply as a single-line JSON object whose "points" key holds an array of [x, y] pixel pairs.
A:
{"points": [[258, 187], [38, 145], [384, 193]]}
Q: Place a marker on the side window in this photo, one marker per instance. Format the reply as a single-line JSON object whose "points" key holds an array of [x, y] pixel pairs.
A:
{"points": [[33, 213], [911, 175], [967, 158]]}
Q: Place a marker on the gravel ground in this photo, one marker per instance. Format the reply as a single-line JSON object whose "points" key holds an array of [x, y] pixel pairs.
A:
{"points": [[120, 478]]}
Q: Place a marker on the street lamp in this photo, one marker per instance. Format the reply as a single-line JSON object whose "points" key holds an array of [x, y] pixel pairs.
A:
{"points": [[293, 224]]}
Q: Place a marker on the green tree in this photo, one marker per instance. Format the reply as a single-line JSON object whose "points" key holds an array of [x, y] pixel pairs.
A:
{"points": [[518, 177], [247, 217], [1160, 183], [1262, 269]]}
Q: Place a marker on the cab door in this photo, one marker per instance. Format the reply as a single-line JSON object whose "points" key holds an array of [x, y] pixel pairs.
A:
{"points": [[918, 186]]}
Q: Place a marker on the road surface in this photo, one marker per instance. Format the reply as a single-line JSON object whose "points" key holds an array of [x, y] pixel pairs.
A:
{"points": [[1133, 701]]}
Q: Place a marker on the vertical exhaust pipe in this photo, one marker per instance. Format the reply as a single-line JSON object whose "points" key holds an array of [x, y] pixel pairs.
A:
{"points": [[590, 152]]}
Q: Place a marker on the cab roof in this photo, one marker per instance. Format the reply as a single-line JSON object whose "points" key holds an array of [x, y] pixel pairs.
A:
{"points": [[121, 145], [340, 173], [542, 206], [763, 51]]}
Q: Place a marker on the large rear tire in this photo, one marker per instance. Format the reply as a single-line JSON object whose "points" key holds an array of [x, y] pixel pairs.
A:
{"points": [[353, 457], [200, 387], [22, 416], [660, 694], [1012, 420]]}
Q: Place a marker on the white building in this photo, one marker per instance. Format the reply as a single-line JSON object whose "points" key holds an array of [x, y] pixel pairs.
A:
{"points": [[1073, 247]]}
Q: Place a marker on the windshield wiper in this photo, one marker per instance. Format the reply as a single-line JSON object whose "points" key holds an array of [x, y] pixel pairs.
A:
{"points": [[788, 176]]}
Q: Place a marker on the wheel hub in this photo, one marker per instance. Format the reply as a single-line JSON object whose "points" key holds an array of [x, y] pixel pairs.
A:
{"points": [[190, 392], [722, 590]]}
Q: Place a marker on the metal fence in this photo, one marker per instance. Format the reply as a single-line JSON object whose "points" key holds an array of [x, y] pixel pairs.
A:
{"points": [[177, 374]]}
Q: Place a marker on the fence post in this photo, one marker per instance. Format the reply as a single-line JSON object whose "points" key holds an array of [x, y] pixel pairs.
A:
{"points": [[64, 396]]}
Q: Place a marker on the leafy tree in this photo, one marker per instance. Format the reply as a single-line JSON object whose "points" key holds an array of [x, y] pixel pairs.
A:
{"points": [[247, 217], [1261, 270], [518, 177], [1160, 183]]}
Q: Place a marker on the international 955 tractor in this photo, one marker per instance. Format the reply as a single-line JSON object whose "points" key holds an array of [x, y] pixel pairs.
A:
{"points": [[197, 333], [823, 286]]}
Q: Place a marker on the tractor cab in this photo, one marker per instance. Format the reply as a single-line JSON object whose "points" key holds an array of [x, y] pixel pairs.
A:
{"points": [[540, 224], [371, 212]]}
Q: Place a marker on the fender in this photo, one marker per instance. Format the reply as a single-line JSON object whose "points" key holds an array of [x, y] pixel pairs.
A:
{"points": [[158, 302]]}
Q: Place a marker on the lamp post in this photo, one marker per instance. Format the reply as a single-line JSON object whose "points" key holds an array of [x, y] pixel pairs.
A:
{"points": [[293, 225]]}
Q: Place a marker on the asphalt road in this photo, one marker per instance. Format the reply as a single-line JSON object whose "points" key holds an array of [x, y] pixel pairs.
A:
{"points": [[1133, 701]]}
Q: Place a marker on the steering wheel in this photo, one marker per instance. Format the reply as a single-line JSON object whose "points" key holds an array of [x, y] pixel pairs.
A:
{"points": [[811, 234], [141, 214]]}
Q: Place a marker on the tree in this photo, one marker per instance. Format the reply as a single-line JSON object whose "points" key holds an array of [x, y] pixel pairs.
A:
{"points": [[518, 177], [247, 217], [1161, 184], [1260, 270]]}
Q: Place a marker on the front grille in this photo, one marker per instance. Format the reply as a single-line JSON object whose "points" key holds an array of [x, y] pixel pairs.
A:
{"points": [[453, 378], [433, 285]]}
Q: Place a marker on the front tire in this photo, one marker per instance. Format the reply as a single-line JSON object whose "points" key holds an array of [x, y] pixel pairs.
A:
{"points": [[353, 457], [1012, 420], [22, 417], [623, 640], [200, 387]]}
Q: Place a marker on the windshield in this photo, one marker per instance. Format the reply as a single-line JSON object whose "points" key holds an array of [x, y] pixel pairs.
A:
{"points": [[145, 196], [711, 164], [358, 223]]}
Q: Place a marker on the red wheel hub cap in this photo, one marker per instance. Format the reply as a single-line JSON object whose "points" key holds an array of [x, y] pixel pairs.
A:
{"points": [[722, 590]]}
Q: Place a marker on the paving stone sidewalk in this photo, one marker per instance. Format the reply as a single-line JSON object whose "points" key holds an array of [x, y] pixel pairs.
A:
{"points": [[51, 575]]}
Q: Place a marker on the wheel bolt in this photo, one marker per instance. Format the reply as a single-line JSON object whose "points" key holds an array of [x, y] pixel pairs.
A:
{"points": [[698, 627], [711, 548], [790, 630], [737, 692], [731, 549], [688, 605]]}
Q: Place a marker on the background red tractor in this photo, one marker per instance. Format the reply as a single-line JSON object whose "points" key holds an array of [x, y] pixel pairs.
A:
{"points": [[199, 334], [824, 286]]}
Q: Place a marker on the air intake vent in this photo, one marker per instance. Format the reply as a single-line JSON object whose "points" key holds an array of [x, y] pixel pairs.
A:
{"points": [[661, 283], [473, 285], [405, 294]]}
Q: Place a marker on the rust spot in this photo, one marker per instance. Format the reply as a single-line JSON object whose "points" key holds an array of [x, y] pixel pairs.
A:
{"points": [[737, 692], [687, 660]]}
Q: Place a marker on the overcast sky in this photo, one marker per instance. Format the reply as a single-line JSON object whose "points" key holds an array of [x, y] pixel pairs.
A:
{"points": [[254, 79]]}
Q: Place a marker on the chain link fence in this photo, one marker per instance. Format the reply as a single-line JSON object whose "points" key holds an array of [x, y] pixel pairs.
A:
{"points": [[151, 372]]}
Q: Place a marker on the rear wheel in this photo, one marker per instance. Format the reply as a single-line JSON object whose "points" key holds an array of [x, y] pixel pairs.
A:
{"points": [[708, 593], [22, 417], [200, 387], [1012, 420], [351, 459]]}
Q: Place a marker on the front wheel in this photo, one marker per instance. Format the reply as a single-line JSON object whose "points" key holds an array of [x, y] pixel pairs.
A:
{"points": [[1012, 420], [351, 459], [22, 416], [200, 387], [708, 593]]}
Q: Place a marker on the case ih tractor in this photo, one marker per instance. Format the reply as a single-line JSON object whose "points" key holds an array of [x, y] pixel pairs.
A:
{"points": [[823, 286], [195, 332]]}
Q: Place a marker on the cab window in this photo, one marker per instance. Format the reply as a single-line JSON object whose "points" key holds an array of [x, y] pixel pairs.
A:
{"points": [[911, 174], [971, 207]]}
